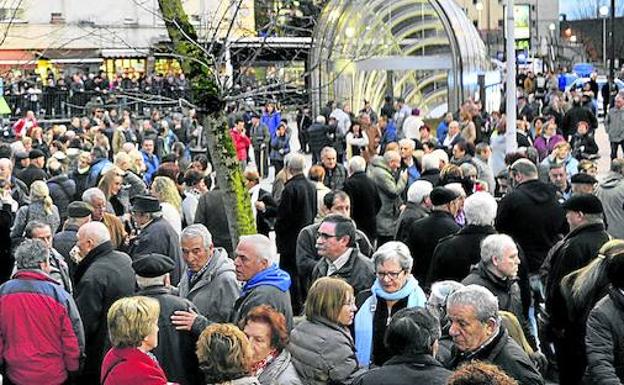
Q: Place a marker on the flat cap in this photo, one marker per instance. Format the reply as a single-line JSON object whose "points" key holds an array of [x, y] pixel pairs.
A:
{"points": [[583, 178], [585, 203], [21, 155], [152, 265], [79, 209], [145, 204], [442, 195], [36, 153]]}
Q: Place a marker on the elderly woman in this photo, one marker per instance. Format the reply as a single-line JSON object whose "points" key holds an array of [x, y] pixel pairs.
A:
{"points": [[545, 143], [321, 346], [225, 356], [111, 185], [164, 189], [40, 208], [316, 175], [394, 289], [267, 332], [133, 331]]}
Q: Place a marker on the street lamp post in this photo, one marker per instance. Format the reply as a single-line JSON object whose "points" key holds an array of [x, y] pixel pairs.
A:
{"points": [[511, 142], [553, 57], [604, 12]]}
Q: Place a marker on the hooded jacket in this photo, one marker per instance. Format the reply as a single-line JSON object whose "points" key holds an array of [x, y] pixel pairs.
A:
{"points": [[390, 194], [611, 193]]}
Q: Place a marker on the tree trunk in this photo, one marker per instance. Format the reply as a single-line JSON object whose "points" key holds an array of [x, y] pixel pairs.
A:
{"points": [[200, 73]]}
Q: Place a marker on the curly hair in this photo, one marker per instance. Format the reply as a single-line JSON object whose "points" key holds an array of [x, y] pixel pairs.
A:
{"points": [[166, 191], [224, 353], [480, 373], [272, 318]]}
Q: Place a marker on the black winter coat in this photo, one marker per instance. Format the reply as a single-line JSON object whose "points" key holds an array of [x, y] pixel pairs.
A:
{"points": [[6, 258], [365, 203], [263, 295], [211, 213], [455, 254], [533, 217], [409, 215], [423, 238], [335, 179], [62, 191], [406, 370], [358, 271], [318, 137], [31, 174]]}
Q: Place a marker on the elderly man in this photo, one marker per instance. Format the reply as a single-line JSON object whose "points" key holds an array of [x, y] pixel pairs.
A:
{"points": [[583, 183], [382, 171], [59, 269], [454, 254], [412, 336], [34, 171], [335, 173], [155, 234], [78, 213], [587, 235], [19, 191], [477, 334], [102, 276], [365, 201], [610, 191], [341, 259], [453, 137], [176, 350], [41, 333], [336, 202], [614, 125], [210, 279], [425, 233], [97, 200], [418, 206], [408, 160]]}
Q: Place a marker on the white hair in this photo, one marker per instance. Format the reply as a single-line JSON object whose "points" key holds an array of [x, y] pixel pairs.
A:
{"points": [[143, 282], [407, 142], [456, 188], [418, 191], [96, 231], [357, 164], [262, 245], [494, 246], [484, 303], [480, 209], [441, 155], [90, 194], [320, 119], [198, 230], [430, 162]]}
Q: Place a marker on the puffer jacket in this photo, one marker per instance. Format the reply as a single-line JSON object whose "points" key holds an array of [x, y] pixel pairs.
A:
{"points": [[62, 191], [610, 191], [614, 124], [323, 353], [280, 371], [390, 194]]}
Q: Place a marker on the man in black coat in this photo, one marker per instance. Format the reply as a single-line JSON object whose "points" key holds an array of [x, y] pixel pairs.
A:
{"points": [[418, 206], [425, 233], [34, 171], [587, 235], [575, 115], [365, 201], [176, 348], [335, 243], [102, 276], [318, 137], [411, 335], [78, 213], [335, 173], [297, 209], [211, 213], [155, 234]]}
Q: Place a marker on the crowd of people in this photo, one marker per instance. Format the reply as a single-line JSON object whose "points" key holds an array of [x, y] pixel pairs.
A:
{"points": [[402, 254]]}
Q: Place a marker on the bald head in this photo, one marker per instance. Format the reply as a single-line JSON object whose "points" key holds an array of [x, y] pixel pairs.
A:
{"points": [[91, 235], [6, 167]]}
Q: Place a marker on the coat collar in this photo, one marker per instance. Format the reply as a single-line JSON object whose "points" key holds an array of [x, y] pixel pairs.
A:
{"points": [[81, 269], [421, 360]]}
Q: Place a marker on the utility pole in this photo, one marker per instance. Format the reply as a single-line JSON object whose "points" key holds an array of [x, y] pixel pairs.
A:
{"points": [[511, 142], [612, 55]]}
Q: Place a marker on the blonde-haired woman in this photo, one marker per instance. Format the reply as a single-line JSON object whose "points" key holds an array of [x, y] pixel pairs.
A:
{"points": [[111, 185], [40, 209], [225, 356], [133, 331], [165, 190]]}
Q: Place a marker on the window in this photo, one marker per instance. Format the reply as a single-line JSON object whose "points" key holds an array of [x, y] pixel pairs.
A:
{"points": [[12, 15]]}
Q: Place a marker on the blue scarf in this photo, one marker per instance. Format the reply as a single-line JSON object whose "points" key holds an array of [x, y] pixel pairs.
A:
{"points": [[364, 317], [272, 276]]}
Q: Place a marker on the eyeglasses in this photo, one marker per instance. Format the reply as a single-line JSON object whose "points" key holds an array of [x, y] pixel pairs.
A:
{"points": [[390, 274], [326, 236]]}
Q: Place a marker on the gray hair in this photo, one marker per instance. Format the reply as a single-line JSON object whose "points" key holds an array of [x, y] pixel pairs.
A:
{"points": [[33, 225], [296, 164], [328, 149], [198, 230], [468, 169], [320, 119], [407, 142], [396, 251], [484, 303], [30, 253], [524, 167], [480, 209], [430, 162], [262, 245], [457, 188], [495, 245], [96, 231], [357, 164], [418, 191], [90, 194], [143, 282], [441, 155], [391, 155]]}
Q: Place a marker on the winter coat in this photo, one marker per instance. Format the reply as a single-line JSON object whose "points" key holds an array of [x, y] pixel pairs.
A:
{"points": [[583, 146], [358, 271], [80, 180], [423, 238], [101, 278], [615, 124], [241, 144], [297, 209], [505, 353], [410, 214], [574, 116], [6, 257], [605, 340], [610, 191], [123, 366], [176, 348], [335, 178], [406, 370], [98, 168], [272, 121], [211, 213], [531, 215], [213, 290], [34, 212], [259, 135], [365, 202], [280, 147], [323, 352], [151, 165], [280, 371], [318, 137], [389, 193], [159, 237], [62, 191], [41, 333], [545, 146], [263, 295], [136, 186], [454, 255], [31, 174]]}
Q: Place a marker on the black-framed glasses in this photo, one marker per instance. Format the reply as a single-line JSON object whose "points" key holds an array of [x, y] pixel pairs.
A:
{"points": [[390, 274]]}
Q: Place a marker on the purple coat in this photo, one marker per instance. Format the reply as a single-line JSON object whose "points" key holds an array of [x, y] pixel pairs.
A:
{"points": [[545, 146]]}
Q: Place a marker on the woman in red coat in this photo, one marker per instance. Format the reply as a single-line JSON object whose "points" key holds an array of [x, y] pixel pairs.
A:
{"points": [[241, 141], [133, 330]]}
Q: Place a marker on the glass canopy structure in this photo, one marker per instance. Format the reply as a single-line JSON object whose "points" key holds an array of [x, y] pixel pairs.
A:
{"points": [[426, 51]]}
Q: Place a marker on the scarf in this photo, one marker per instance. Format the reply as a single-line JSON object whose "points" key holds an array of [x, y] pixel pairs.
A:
{"points": [[364, 317], [258, 367], [272, 276]]}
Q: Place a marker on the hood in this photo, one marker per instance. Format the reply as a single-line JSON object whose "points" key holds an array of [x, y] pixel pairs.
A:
{"points": [[221, 261], [272, 276], [612, 180], [537, 191]]}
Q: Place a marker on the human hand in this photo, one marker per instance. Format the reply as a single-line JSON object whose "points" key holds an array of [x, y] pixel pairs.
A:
{"points": [[183, 320], [260, 206]]}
